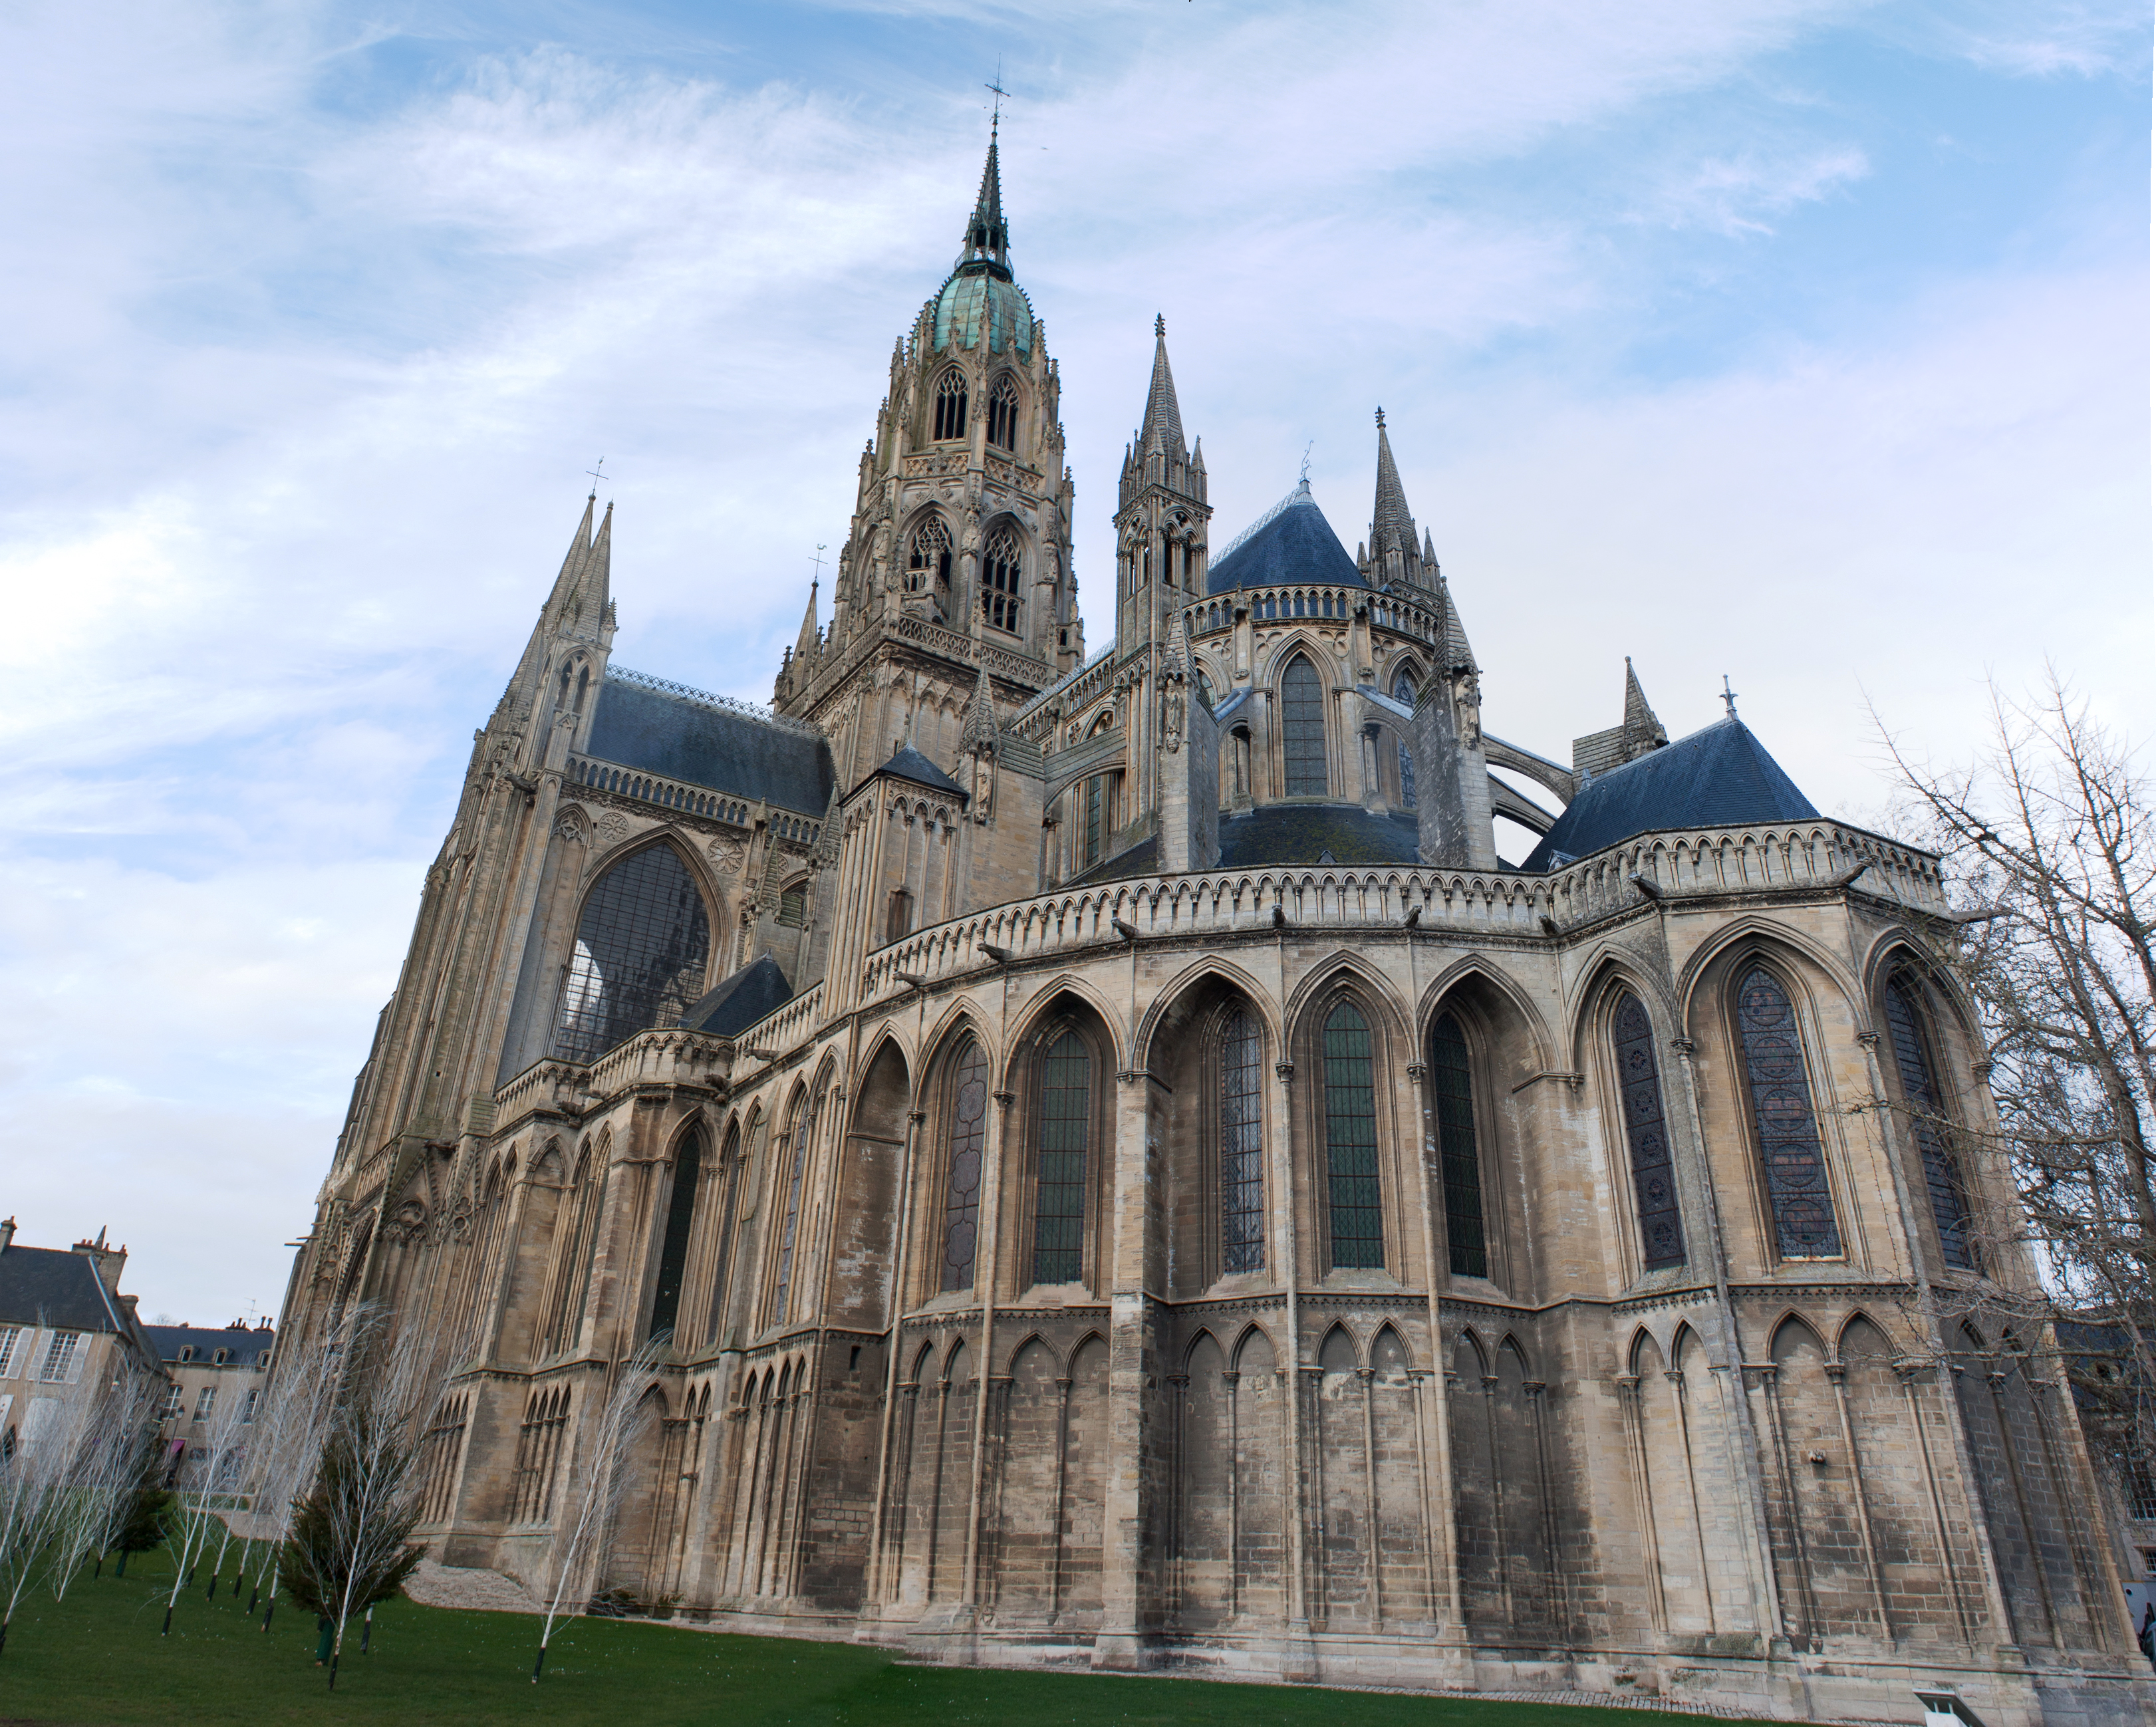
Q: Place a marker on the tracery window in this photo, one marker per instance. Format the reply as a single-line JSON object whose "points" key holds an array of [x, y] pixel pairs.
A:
{"points": [[1781, 1094], [673, 1248], [1647, 1135], [1403, 692], [1003, 415], [1242, 1147], [1460, 1157], [1059, 1212], [928, 558], [1302, 729], [961, 1194], [1913, 1061], [999, 577], [802, 1132], [1353, 1207], [951, 405], [642, 945]]}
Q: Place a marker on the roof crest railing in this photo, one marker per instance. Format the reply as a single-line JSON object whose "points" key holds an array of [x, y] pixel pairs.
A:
{"points": [[704, 699], [1060, 686]]}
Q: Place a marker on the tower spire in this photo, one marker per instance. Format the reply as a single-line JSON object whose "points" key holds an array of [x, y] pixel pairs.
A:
{"points": [[986, 248], [1391, 526], [1163, 429]]}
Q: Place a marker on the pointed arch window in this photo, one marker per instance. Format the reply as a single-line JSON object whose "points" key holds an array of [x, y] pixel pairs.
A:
{"points": [[643, 944], [1354, 1209], [1647, 1135], [962, 1193], [674, 1245], [801, 1133], [1460, 1157], [951, 405], [1781, 1096], [793, 905], [928, 557], [1302, 729], [1003, 414], [728, 1174], [1242, 1147], [999, 580], [1403, 692], [1058, 1213], [1919, 1089]]}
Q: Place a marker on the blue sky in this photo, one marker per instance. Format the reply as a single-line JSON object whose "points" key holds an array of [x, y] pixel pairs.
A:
{"points": [[1805, 342]]}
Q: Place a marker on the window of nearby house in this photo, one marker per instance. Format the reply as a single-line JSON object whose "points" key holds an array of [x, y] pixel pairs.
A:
{"points": [[205, 1403], [60, 1356], [171, 1406], [11, 1341], [248, 1413]]}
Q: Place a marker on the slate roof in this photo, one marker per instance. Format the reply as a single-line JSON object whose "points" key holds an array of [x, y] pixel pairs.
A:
{"points": [[908, 763], [742, 1000], [247, 1344], [1292, 542], [732, 752], [51, 1287], [1286, 834], [1720, 776]]}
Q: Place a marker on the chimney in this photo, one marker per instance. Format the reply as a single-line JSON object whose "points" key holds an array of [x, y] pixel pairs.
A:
{"points": [[7, 1233], [108, 1261]]}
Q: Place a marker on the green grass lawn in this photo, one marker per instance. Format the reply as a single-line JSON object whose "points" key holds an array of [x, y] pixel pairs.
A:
{"points": [[97, 1658]]}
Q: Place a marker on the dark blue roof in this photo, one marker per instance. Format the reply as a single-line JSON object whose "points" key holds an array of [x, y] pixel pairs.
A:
{"points": [[1719, 778], [742, 1000], [248, 1344], [1297, 545], [50, 1286], [1287, 834], [908, 763], [735, 753]]}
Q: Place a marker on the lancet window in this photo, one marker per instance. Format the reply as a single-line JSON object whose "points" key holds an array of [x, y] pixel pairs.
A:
{"points": [[928, 557], [1790, 1154], [1647, 1135], [1460, 1156], [1403, 692], [951, 405], [1058, 1213], [1919, 1089], [962, 1192], [1353, 1208], [1003, 415], [793, 905], [729, 1178], [999, 579], [1302, 729], [1242, 1146], [802, 1131], [674, 1245], [642, 946]]}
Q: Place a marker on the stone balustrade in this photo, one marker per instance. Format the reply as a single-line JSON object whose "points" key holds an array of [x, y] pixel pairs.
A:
{"points": [[656, 788]]}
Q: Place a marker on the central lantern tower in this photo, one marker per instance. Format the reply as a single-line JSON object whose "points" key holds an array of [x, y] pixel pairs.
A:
{"points": [[956, 572]]}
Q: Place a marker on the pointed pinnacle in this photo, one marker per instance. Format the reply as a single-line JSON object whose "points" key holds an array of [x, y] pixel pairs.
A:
{"points": [[1392, 527], [1163, 419]]}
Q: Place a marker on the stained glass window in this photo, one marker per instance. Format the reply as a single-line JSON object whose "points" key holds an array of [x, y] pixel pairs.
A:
{"points": [[951, 405], [1912, 1060], [1404, 691], [962, 1198], [1647, 1134], [1003, 415], [999, 578], [1789, 1149], [641, 949], [1459, 1159], [673, 1248], [1242, 1147], [1059, 1218], [1351, 1141], [1302, 729]]}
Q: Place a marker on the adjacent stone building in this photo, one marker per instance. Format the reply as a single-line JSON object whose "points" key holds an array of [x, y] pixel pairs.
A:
{"points": [[1124, 1173], [63, 1324], [218, 1373]]}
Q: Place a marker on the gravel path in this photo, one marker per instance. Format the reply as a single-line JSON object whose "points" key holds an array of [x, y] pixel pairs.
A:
{"points": [[440, 1585]]}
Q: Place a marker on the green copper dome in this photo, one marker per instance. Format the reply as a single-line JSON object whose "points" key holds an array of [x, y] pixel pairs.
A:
{"points": [[959, 309]]}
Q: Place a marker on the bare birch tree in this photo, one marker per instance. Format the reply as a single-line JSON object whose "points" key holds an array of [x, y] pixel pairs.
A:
{"points": [[109, 1458], [583, 1527], [2047, 839], [291, 1425], [195, 1515]]}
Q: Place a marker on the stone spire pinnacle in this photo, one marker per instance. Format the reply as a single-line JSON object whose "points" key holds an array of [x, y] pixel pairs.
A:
{"points": [[1163, 429], [1640, 720], [810, 639], [986, 249], [1392, 527], [979, 734]]}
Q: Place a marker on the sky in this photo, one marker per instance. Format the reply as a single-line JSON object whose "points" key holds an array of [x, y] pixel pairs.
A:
{"points": [[1804, 343]]}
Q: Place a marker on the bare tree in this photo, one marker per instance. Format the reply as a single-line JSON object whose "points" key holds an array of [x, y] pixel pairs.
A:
{"points": [[290, 1425], [109, 1458], [196, 1513], [584, 1526], [2048, 840]]}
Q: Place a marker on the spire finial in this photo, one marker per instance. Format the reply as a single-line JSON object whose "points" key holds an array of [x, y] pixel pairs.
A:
{"points": [[1159, 326], [1303, 478], [597, 476], [1381, 420], [1729, 696]]}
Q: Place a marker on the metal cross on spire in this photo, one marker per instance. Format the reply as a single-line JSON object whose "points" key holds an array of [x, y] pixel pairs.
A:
{"points": [[816, 580], [996, 83], [1729, 696], [1307, 450], [597, 476]]}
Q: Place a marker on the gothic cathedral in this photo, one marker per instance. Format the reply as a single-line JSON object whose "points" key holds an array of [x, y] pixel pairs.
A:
{"points": [[1120, 1171]]}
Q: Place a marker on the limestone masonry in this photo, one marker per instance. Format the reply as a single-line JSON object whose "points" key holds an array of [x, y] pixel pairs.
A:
{"points": [[1126, 1175]]}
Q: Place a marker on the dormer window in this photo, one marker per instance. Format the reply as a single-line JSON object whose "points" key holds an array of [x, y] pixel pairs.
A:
{"points": [[950, 406], [999, 577], [186, 1352], [221, 1357], [1003, 415]]}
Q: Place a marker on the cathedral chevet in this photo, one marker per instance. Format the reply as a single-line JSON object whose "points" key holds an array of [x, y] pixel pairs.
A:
{"points": [[1119, 1171]]}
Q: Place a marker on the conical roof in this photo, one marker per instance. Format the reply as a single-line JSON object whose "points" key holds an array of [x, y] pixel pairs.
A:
{"points": [[1291, 542], [1392, 527], [1163, 429]]}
